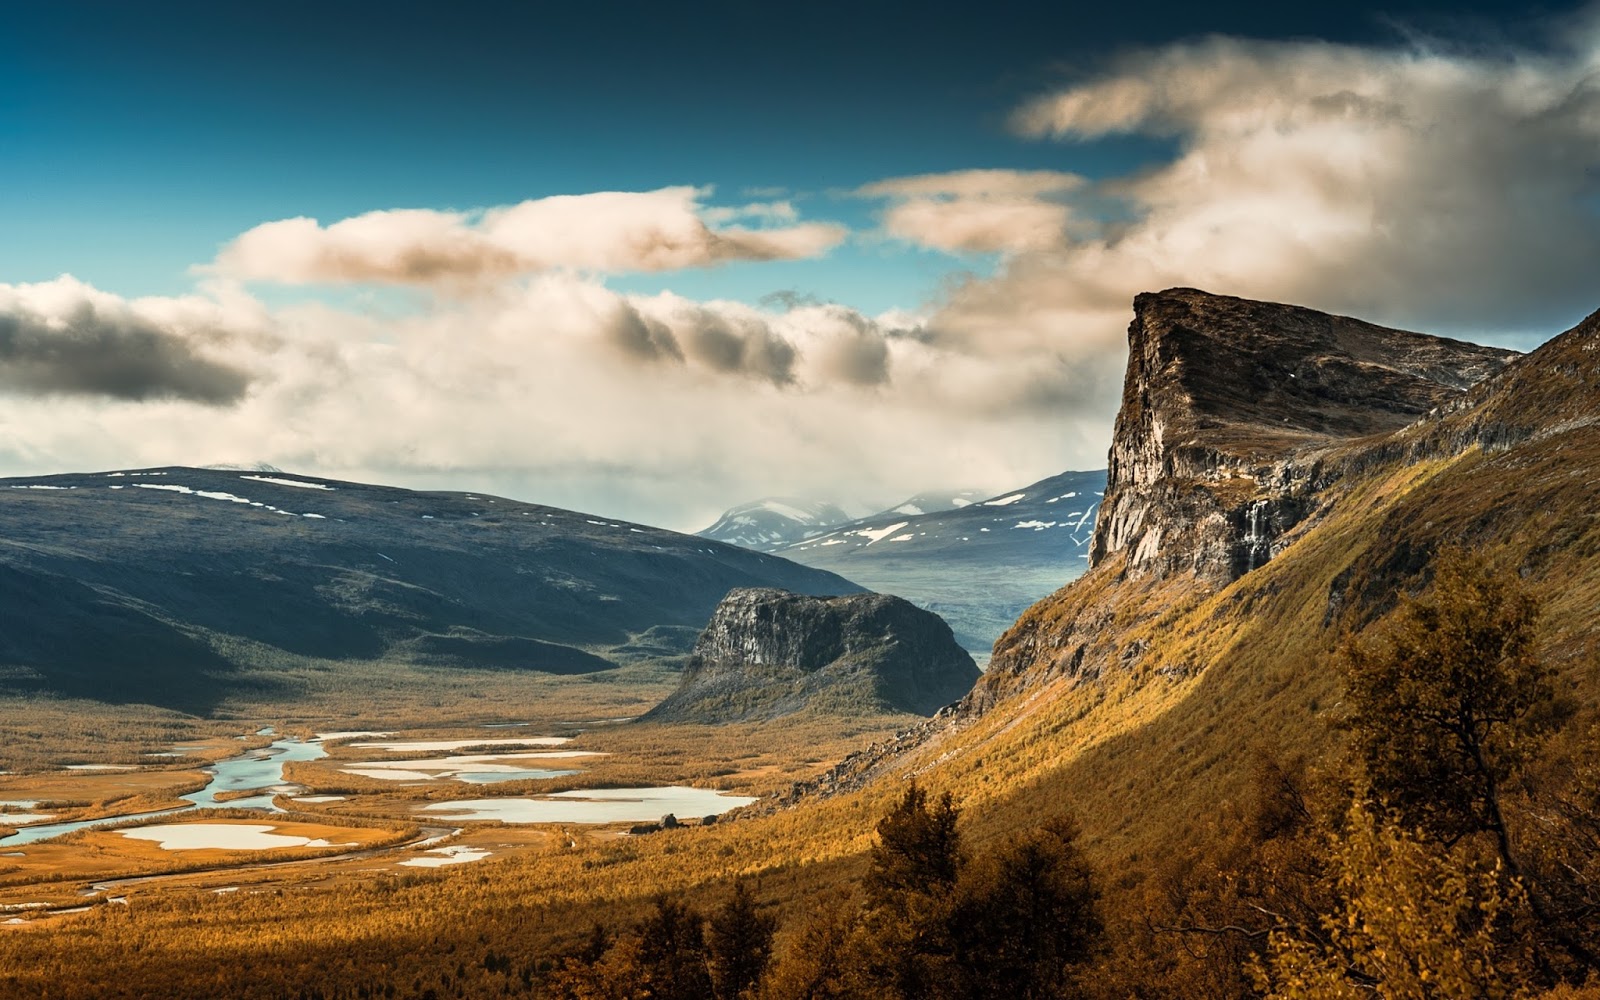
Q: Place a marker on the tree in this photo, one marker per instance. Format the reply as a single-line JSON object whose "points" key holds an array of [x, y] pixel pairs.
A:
{"points": [[1413, 923], [1446, 703], [1444, 700], [1025, 917], [738, 945], [672, 952], [918, 853], [910, 890]]}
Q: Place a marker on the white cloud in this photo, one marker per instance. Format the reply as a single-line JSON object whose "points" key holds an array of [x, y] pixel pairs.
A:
{"points": [[980, 211], [561, 390], [1416, 186], [607, 231]]}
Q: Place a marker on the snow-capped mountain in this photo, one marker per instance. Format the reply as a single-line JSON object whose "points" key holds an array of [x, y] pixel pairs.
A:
{"points": [[774, 522], [934, 501], [978, 565]]}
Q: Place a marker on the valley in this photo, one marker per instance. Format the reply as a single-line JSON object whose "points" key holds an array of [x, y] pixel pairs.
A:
{"points": [[1185, 714]]}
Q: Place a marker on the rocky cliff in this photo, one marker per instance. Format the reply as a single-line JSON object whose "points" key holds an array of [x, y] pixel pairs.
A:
{"points": [[768, 653], [1230, 411], [1278, 476]]}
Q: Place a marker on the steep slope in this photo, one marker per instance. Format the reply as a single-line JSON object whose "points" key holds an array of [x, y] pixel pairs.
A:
{"points": [[157, 585], [977, 565], [769, 653], [1143, 693]]}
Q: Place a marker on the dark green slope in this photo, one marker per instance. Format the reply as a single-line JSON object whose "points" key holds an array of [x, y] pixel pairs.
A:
{"points": [[126, 587]]}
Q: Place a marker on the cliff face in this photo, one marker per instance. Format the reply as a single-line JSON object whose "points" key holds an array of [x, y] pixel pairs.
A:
{"points": [[1346, 454], [1230, 409], [768, 653]]}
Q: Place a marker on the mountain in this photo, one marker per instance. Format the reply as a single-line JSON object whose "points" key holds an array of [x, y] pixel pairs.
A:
{"points": [[163, 585], [769, 653], [934, 501], [772, 523], [978, 565], [1278, 477]]}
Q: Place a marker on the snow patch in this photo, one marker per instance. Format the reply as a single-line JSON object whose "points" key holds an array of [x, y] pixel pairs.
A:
{"points": [[878, 534], [1003, 501], [287, 482]]}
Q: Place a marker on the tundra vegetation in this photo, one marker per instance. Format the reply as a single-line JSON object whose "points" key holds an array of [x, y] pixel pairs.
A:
{"points": [[1448, 845]]}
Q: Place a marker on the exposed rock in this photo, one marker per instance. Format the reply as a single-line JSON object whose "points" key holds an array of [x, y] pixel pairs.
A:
{"points": [[768, 653], [1222, 460], [1228, 407]]}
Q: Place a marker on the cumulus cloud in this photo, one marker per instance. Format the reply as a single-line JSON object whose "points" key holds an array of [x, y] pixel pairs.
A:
{"points": [[982, 211], [1415, 185], [607, 232], [558, 389], [65, 338]]}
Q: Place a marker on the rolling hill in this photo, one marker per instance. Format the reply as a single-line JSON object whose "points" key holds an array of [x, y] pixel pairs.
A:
{"points": [[162, 585]]}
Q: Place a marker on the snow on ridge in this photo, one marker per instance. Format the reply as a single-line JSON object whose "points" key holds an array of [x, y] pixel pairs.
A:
{"points": [[218, 495], [288, 482], [1003, 501], [877, 534], [208, 494]]}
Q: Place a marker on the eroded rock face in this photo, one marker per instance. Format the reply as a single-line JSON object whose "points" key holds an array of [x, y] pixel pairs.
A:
{"points": [[768, 653], [1230, 408]]}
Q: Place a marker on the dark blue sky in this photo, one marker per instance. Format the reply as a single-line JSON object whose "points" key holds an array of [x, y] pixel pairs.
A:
{"points": [[135, 138]]}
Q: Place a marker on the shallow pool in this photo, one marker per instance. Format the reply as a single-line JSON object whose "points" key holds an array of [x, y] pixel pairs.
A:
{"points": [[595, 805]]}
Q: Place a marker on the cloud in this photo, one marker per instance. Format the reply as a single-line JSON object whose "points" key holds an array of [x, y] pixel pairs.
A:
{"points": [[980, 211], [1417, 185], [1451, 192], [609, 232], [62, 338]]}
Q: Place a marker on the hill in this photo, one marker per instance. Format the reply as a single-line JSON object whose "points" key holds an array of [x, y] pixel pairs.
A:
{"points": [[169, 586], [767, 653]]}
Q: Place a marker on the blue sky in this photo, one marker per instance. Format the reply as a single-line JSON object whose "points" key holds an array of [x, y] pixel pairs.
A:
{"points": [[1033, 165], [139, 138]]}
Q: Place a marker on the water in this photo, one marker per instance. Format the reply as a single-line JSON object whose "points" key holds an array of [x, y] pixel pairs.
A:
{"points": [[258, 769], [494, 777], [595, 805]]}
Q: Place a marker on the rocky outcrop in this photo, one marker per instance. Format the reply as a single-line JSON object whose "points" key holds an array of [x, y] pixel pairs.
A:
{"points": [[768, 653], [1230, 409]]}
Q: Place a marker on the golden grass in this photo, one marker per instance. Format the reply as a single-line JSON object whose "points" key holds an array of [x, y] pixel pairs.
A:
{"points": [[1151, 750]]}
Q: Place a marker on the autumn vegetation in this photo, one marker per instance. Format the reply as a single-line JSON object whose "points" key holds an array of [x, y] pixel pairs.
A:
{"points": [[1431, 830]]}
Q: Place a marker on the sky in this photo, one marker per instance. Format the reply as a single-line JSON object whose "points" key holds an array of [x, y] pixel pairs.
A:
{"points": [[653, 260]]}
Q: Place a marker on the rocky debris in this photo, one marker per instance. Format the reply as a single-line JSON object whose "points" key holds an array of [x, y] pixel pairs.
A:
{"points": [[1230, 408], [768, 653]]}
